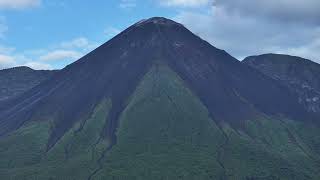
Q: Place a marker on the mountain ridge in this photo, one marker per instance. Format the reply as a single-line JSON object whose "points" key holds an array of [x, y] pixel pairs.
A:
{"points": [[300, 75], [159, 37]]}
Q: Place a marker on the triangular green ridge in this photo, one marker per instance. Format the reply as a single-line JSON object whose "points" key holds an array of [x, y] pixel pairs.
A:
{"points": [[164, 127]]}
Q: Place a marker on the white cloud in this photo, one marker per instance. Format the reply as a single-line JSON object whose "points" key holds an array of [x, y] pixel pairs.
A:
{"points": [[3, 26], [111, 31], [127, 4], [6, 61], [38, 66], [54, 57], [185, 3], [18, 4], [284, 10], [60, 55], [6, 50], [67, 50], [309, 50], [249, 34], [80, 42]]}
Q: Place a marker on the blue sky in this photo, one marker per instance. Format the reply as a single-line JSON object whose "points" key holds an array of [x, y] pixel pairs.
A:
{"points": [[55, 33], [49, 34]]}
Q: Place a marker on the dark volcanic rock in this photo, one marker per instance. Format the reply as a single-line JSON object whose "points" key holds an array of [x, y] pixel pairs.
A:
{"points": [[232, 91], [300, 75], [15, 81]]}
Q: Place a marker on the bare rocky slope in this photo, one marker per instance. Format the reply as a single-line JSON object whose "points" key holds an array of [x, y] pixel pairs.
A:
{"points": [[300, 75]]}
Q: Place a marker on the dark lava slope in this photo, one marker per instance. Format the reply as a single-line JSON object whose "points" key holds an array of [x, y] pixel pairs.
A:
{"points": [[15, 81], [232, 92], [300, 75]]}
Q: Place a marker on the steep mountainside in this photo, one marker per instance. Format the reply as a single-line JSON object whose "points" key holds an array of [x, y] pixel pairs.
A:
{"points": [[158, 102], [300, 75], [15, 81]]}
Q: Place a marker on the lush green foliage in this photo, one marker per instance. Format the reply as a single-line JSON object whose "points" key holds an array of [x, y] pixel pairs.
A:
{"points": [[165, 132], [73, 157]]}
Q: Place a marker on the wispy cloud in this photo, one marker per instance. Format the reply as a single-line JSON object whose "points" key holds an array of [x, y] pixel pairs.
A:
{"points": [[6, 61], [38, 65], [127, 4], [53, 57], [13, 60], [6, 50], [18, 4], [184, 3], [3, 26], [80, 42], [111, 31], [60, 55], [67, 50]]}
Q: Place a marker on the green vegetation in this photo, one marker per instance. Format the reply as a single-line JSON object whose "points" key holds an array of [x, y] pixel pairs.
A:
{"points": [[165, 132], [268, 150], [73, 157]]}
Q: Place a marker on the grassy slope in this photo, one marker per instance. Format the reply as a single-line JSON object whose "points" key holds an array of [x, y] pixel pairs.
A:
{"points": [[269, 149], [165, 133], [73, 157]]}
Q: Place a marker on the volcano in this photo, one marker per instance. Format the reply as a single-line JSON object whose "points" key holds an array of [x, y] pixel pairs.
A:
{"points": [[158, 102]]}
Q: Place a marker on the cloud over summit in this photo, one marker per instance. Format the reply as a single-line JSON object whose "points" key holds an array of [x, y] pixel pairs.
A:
{"points": [[285, 10], [246, 27]]}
